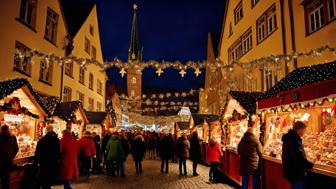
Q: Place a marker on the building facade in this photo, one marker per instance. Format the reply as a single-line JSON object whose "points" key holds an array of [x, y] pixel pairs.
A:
{"points": [[254, 29], [44, 26], [86, 84], [213, 95], [28, 25]]}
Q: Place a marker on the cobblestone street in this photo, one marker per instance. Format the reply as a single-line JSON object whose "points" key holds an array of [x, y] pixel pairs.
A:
{"points": [[150, 179]]}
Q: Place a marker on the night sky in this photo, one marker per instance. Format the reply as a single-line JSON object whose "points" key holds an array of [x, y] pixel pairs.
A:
{"points": [[168, 30]]}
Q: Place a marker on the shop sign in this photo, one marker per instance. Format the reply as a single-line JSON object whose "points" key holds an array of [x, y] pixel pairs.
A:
{"points": [[13, 118]]}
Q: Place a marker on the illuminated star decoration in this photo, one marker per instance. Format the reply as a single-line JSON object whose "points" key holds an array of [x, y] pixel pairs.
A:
{"points": [[197, 72], [135, 6], [122, 72], [159, 72], [182, 73]]}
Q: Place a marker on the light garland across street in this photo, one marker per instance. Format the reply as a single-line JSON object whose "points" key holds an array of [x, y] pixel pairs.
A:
{"points": [[268, 61]]}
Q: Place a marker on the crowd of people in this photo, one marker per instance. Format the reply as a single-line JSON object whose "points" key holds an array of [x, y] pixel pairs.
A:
{"points": [[67, 158]]}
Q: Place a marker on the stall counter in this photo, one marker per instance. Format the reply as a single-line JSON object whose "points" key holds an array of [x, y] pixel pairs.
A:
{"points": [[316, 178]]}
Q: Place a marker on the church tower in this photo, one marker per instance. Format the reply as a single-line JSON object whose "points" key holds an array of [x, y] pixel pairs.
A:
{"points": [[134, 76]]}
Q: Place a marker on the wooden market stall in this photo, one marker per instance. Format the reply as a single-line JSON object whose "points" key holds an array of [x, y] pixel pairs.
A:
{"points": [[206, 126], [240, 108], [69, 115], [98, 122], [22, 110], [307, 94], [180, 128]]}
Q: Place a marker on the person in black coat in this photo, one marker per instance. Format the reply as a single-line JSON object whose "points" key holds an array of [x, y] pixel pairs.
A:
{"points": [[195, 151], [47, 156], [97, 160], [8, 150], [126, 149], [166, 152], [105, 140], [294, 160], [138, 152]]}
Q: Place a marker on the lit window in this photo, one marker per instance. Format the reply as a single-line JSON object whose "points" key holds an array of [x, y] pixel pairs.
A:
{"points": [[23, 66], [132, 93], [28, 12], [133, 80], [46, 71], [51, 26]]}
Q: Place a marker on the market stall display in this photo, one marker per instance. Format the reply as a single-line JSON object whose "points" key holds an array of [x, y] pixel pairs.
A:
{"points": [[69, 115], [98, 122], [22, 110], [202, 123], [181, 128], [311, 101], [206, 126], [238, 112]]}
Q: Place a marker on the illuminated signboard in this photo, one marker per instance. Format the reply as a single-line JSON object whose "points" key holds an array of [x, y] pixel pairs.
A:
{"points": [[13, 118]]}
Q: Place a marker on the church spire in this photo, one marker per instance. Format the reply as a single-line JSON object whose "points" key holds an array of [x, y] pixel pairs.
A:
{"points": [[134, 51]]}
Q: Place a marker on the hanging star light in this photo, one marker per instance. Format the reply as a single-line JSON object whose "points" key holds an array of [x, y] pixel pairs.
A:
{"points": [[197, 72], [159, 72], [122, 72], [182, 73]]}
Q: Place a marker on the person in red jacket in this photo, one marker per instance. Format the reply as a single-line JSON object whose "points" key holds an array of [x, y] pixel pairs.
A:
{"points": [[69, 153], [213, 154], [87, 151]]}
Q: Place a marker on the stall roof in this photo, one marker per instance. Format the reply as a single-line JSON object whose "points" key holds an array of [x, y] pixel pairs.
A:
{"points": [[301, 77], [7, 87], [66, 110], [183, 125], [50, 102], [95, 117], [246, 99], [199, 118]]}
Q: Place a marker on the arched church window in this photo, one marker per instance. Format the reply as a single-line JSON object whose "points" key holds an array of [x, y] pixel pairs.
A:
{"points": [[133, 80]]}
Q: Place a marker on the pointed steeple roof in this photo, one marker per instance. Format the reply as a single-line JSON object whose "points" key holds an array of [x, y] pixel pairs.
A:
{"points": [[135, 50]]}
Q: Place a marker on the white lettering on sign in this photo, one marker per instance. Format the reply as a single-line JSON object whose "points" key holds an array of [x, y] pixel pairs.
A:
{"points": [[13, 118]]}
